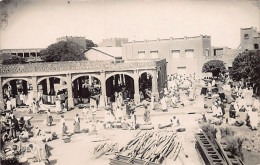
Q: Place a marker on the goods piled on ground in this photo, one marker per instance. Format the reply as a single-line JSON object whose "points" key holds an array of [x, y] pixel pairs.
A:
{"points": [[151, 146], [105, 148], [252, 143]]}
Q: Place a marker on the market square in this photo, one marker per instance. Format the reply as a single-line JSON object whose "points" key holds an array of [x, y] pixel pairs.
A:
{"points": [[121, 98]]}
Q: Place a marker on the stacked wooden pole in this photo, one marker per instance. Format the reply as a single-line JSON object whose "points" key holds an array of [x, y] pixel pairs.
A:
{"points": [[153, 146]]}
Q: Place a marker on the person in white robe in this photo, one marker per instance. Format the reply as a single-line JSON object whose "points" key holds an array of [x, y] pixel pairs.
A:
{"points": [[58, 105], [8, 104], [164, 104]]}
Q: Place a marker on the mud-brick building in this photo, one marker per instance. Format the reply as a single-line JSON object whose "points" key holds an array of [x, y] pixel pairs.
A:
{"points": [[183, 55]]}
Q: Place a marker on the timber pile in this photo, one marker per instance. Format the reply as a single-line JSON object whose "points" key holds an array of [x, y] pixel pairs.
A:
{"points": [[153, 147], [105, 148]]}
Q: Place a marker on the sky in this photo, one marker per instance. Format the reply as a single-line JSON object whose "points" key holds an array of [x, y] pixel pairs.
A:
{"points": [[37, 23]]}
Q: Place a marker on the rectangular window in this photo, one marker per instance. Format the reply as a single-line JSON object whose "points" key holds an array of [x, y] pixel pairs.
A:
{"points": [[246, 36], [154, 54], [20, 54], [181, 70], [33, 54], [207, 52], [189, 53], [141, 54], [26, 54], [176, 53]]}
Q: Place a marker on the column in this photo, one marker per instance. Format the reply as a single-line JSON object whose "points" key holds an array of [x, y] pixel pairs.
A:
{"points": [[35, 87], [90, 80], [103, 96], [48, 85], [69, 88], [124, 79], [2, 105], [155, 86], [121, 79], [136, 83]]}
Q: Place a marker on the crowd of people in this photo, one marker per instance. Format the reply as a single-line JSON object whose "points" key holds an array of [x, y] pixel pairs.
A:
{"points": [[20, 139], [179, 90], [238, 99]]}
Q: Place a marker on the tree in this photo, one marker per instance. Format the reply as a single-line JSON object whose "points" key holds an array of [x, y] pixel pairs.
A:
{"points": [[215, 67], [14, 60], [63, 51], [246, 66], [90, 43]]}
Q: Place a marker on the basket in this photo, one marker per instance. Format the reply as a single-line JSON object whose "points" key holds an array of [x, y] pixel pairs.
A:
{"points": [[85, 130], [67, 140]]}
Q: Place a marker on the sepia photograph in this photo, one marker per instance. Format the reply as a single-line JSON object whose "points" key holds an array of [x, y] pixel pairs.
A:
{"points": [[130, 82]]}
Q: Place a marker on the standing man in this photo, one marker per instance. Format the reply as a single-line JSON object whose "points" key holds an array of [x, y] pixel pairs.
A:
{"points": [[147, 117], [94, 113], [232, 111], [77, 124], [85, 112], [164, 104]]}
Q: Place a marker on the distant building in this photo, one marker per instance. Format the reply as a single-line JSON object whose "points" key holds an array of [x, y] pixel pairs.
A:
{"points": [[28, 54], [104, 53], [184, 55], [113, 42], [249, 39], [79, 40], [224, 54]]}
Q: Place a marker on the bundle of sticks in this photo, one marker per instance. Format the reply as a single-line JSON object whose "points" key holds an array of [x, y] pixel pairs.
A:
{"points": [[153, 146], [104, 148]]}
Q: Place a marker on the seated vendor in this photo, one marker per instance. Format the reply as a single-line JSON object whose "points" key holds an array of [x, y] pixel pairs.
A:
{"points": [[24, 136], [64, 129], [175, 121]]}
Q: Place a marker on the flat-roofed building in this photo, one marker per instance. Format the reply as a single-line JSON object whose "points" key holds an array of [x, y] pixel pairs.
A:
{"points": [[249, 39], [184, 55], [112, 42], [81, 41], [30, 54]]}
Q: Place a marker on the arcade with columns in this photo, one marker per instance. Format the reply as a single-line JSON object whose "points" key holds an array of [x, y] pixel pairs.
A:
{"points": [[105, 71]]}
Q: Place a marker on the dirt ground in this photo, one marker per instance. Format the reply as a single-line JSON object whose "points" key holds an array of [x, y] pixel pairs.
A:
{"points": [[80, 150]]}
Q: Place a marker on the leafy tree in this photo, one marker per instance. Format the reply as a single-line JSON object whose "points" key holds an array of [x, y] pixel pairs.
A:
{"points": [[215, 67], [90, 43], [14, 60], [246, 66], [63, 51]]}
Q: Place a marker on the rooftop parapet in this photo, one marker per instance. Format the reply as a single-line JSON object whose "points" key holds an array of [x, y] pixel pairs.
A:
{"points": [[171, 39]]}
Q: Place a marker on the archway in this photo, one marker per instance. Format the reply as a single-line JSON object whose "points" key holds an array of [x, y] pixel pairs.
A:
{"points": [[119, 83], [50, 88], [145, 85], [17, 92], [86, 89]]}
